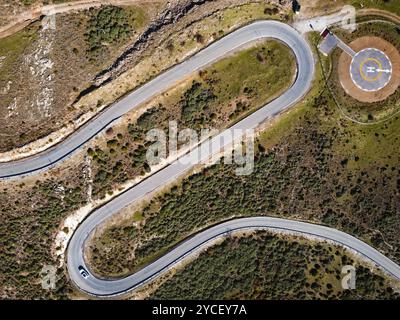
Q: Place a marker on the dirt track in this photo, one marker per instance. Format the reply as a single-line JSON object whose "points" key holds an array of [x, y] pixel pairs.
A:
{"points": [[344, 74], [378, 12]]}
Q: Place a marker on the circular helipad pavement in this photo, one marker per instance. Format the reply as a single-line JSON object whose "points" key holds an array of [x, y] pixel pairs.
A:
{"points": [[370, 69], [347, 78]]}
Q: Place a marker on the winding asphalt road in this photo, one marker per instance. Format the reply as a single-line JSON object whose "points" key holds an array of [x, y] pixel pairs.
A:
{"points": [[229, 43], [95, 286], [305, 72], [252, 32]]}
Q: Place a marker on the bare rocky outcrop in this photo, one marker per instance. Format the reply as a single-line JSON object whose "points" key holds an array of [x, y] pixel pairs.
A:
{"points": [[175, 11]]}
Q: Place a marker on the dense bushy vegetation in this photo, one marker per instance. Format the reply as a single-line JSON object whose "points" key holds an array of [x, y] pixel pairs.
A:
{"points": [[194, 103], [107, 26], [28, 221], [265, 266]]}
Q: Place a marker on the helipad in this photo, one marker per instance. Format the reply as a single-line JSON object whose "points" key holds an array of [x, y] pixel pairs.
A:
{"points": [[370, 69]]}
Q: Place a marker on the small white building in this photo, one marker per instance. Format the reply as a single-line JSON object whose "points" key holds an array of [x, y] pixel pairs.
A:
{"points": [[329, 42]]}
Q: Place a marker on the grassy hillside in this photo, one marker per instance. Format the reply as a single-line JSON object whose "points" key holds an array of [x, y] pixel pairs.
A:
{"points": [[215, 98]]}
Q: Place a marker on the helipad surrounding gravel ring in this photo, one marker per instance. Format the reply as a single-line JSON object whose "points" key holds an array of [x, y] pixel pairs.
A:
{"points": [[345, 77], [370, 69]]}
